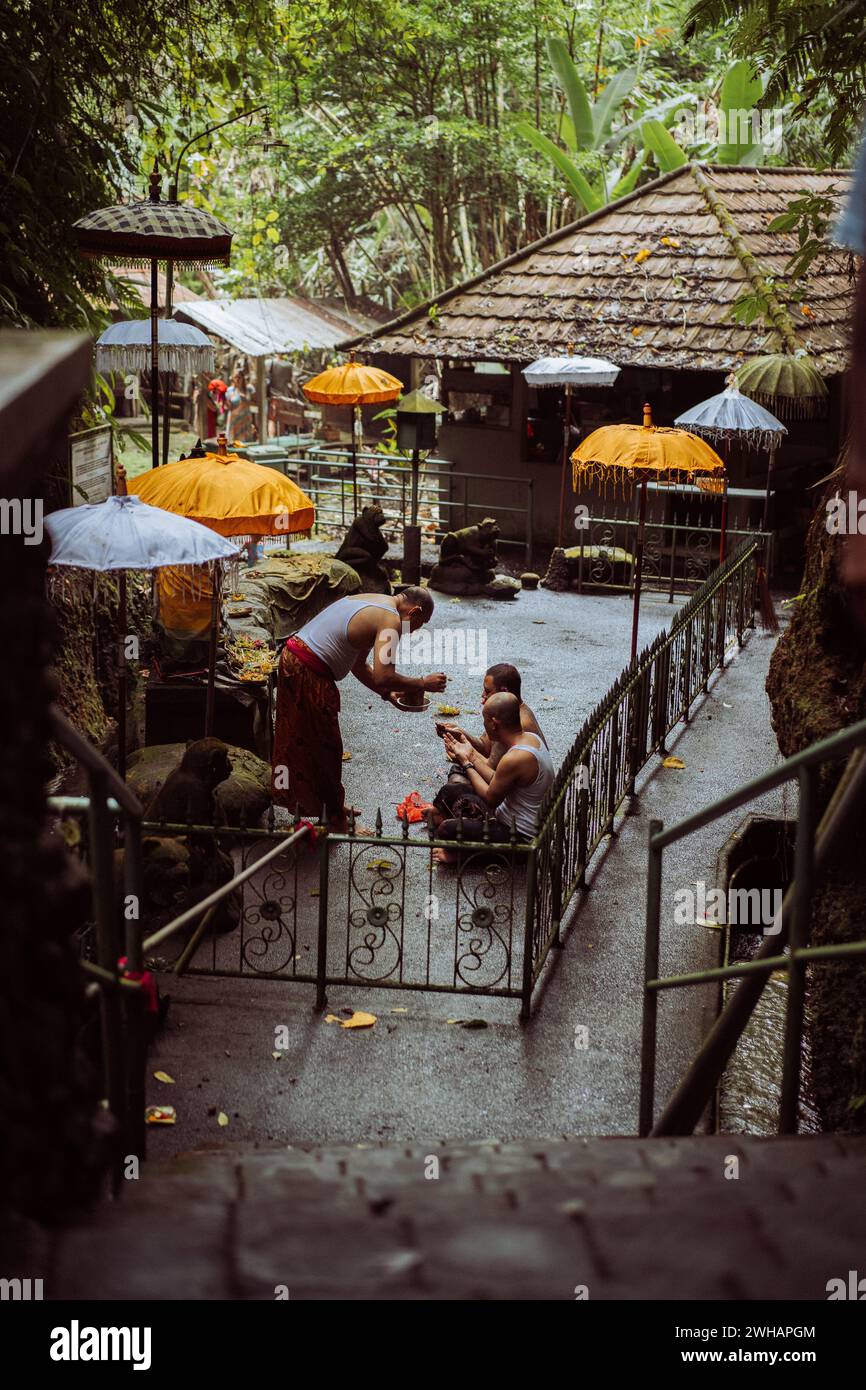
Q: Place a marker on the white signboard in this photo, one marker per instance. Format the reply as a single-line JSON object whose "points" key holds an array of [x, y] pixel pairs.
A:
{"points": [[90, 465]]}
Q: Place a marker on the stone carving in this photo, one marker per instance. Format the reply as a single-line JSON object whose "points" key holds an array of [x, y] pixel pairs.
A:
{"points": [[363, 547], [467, 560]]}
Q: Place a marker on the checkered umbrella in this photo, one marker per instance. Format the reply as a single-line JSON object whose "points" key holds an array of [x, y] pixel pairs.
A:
{"points": [[147, 233]]}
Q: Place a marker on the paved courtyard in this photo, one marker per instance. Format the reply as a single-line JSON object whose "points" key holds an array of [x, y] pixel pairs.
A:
{"points": [[419, 1072]]}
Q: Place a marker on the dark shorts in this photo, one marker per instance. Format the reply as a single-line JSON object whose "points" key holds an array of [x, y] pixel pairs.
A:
{"points": [[457, 800]]}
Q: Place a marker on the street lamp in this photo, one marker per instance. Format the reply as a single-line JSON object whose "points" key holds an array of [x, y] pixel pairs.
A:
{"points": [[416, 433]]}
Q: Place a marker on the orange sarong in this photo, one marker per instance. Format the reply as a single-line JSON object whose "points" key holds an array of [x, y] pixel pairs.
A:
{"points": [[307, 741]]}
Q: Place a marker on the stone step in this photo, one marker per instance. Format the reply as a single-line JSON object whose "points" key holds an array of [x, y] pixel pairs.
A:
{"points": [[618, 1217]]}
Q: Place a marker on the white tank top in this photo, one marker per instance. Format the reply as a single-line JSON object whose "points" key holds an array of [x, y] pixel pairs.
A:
{"points": [[522, 805], [328, 634]]}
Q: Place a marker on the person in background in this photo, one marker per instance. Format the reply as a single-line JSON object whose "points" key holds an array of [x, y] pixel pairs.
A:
{"points": [[239, 415]]}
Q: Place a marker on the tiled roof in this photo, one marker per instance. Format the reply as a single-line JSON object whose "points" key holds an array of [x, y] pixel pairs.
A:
{"points": [[705, 228]]}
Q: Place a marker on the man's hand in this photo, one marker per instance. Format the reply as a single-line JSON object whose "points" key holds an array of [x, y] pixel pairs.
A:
{"points": [[459, 749], [438, 681]]}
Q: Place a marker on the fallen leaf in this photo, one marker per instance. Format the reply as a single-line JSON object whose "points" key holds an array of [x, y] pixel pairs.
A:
{"points": [[360, 1020], [670, 241], [276, 1056], [453, 1020], [222, 1119], [448, 709], [347, 756], [636, 330], [539, 622], [673, 762], [381, 866], [625, 255], [160, 1115], [399, 1011], [164, 1076], [642, 255], [333, 1018]]}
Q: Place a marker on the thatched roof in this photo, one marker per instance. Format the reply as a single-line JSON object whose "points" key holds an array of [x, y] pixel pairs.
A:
{"points": [[705, 229]]}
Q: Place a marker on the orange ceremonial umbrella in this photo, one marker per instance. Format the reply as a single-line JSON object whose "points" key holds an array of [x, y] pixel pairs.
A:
{"points": [[233, 496], [623, 453], [353, 384]]}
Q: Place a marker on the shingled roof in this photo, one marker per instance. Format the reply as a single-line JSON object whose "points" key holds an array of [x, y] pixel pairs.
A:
{"points": [[649, 281]]}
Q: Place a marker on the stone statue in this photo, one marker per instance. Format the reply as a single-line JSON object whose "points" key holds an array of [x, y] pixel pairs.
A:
{"points": [[467, 560], [363, 547]]}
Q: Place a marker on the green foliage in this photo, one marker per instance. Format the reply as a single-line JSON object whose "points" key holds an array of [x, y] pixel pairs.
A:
{"points": [[662, 146], [814, 53]]}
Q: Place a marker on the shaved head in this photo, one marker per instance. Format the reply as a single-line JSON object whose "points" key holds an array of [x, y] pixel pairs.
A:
{"points": [[504, 708]]}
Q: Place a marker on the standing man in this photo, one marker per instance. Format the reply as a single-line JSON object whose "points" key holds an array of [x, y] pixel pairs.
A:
{"points": [[308, 748]]}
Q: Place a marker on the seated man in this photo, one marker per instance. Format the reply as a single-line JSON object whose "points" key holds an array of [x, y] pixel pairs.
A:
{"points": [[503, 678], [514, 790]]}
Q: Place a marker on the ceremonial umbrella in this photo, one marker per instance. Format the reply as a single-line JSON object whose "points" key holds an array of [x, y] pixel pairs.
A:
{"points": [[123, 533], [146, 233], [354, 384], [792, 386], [728, 416], [231, 495], [619, 453], [125, 347], [569, 371]]}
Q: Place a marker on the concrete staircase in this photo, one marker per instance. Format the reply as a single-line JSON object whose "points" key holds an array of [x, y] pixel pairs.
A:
{"points": [[616, 1218]]}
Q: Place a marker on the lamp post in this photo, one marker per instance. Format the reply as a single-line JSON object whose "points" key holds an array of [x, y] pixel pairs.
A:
{"points": [[416, 432]]}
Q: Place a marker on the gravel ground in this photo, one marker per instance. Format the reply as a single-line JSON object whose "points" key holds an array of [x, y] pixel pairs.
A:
{"points": [[415, 1074]]}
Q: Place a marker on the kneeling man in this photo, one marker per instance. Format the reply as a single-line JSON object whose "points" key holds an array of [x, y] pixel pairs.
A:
{"points": [[514, 790]]}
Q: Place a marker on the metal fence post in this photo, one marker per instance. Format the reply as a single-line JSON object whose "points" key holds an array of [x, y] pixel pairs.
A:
{"points": [[651, 970], [556, 863], [134, 1001], [322, 945], [526, 991], [582, 833], [102, 875], [798, 938]]}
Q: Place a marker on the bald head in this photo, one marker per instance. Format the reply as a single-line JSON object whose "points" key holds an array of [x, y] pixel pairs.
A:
{"points": [[504, 709]]}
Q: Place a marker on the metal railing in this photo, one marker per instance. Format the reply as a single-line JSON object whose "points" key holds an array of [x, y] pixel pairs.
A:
{"points": [[790, 927], [116, 935], [618, 739], [448, 497], [677, 557]]}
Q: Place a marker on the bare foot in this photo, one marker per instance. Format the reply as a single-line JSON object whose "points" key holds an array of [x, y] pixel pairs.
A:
{"points": [[444, 856]]}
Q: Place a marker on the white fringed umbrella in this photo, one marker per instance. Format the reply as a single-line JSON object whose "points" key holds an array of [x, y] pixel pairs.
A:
{"points": [[571, 371], [124, 533], [568, 371], [731, 415], [126, 347]]}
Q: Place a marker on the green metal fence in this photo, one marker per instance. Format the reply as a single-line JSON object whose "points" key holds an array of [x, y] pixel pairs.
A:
{"points": [[790, 929]]}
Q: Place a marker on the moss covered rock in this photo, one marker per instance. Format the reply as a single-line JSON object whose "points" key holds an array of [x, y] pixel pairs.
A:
{"points": [[817, 685], [244, 796]]}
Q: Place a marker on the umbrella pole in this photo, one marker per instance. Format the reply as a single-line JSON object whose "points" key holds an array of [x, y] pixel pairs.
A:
{"points": [[354, 462], [566, 433], [724, 517], [121, 677], [154, 363], [765, 520], [211, 665], [638, 569], [166, 407]]}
